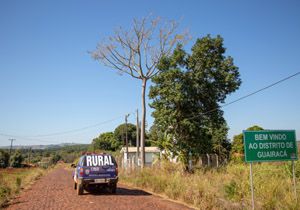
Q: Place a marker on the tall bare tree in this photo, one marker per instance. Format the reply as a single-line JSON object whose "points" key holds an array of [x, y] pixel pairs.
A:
{"points": [[137, 52]]}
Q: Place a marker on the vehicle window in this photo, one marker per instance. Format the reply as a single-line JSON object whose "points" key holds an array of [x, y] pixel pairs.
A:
{"points": [[79, 163], [99, 160], [82, 160]]}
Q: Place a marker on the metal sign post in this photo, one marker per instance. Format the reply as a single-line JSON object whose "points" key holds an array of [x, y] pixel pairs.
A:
{"points": [[252, 191], [295, 186]]}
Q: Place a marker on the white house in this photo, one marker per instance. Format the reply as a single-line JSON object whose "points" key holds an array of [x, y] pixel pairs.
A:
{"points": [[151, 154]]}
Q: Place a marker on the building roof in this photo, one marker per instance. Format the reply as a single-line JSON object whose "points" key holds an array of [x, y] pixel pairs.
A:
{"points": [[28, 164], [147, 149]]}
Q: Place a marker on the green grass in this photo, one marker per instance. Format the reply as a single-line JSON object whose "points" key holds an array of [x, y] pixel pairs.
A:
{"points": [[68, 167], [227, 187], [13, 181]]}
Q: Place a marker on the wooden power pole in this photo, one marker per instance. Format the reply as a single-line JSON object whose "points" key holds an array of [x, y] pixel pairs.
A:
{"points": [[123, 137], [29, 155], [10, 150], [137, 136], [126, 116]]}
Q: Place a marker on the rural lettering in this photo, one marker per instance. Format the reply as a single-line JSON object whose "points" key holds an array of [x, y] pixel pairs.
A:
{"points": [[99, 160]]}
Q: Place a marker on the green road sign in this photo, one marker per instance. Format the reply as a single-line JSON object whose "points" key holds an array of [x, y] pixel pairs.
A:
{"points": [[270, 145]]}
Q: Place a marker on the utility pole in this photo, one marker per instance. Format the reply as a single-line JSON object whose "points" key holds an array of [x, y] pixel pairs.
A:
{"points": [[137, 136], [10, 150], [123, 137], [29, 155], [126, 116]]}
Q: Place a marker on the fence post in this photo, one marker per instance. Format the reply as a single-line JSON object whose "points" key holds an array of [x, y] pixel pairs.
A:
{"points": [[190, 161], [130, 163], [208, 159]]}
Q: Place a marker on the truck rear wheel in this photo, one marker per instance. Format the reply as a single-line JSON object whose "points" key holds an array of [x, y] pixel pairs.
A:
{"points": [[79, 189], [113, 188]]}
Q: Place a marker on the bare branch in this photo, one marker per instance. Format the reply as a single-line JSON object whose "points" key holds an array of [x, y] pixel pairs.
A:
{"points": [[143, 45]]}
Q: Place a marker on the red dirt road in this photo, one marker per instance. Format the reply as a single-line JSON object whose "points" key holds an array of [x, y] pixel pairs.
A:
{"points": [[55, 191]]}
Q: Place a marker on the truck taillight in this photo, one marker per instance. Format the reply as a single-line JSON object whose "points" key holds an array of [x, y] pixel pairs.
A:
{"points": [[117, 172], [81, 172]]}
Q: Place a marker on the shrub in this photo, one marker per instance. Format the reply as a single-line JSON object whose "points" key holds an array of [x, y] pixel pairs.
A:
{"points": [[231, 189], [5, 193], [18, 182]]}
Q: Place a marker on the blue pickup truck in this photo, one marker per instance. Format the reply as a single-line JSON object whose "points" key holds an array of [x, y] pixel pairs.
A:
{"points": [[95, 170]]}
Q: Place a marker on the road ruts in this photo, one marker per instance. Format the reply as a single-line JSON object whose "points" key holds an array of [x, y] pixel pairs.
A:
{"points": [[54, 191]]}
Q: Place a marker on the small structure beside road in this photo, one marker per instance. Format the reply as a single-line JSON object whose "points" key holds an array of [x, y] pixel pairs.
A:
{"points": [[151, 154]]}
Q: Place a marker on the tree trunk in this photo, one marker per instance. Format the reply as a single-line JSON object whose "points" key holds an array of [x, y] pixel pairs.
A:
{"points": [[143, 124]]}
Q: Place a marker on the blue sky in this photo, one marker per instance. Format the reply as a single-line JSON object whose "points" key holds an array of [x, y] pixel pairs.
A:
{"points": [[49, 83]]}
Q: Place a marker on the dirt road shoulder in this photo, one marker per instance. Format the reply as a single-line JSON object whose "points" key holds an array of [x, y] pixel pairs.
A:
{"points": [[54, 191]]}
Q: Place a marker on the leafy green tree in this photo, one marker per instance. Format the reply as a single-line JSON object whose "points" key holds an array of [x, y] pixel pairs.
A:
{"points": [[54, 159], [137, 52], [4, 156], [68, 156], [238, 140], [119, 134], [221, 144], [16, 159], [46, 153], [104, 141], [238, 145], [154, 133], [187, 94]]}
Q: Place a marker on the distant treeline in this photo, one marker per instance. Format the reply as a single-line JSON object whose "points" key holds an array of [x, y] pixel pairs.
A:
{"points": [[35, 156]]}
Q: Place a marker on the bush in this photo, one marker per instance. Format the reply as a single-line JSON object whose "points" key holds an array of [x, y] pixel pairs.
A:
{"points": [[230, 189], [18, 182], [5, 193]]}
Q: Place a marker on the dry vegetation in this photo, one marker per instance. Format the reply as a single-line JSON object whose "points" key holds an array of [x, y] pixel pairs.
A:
{"points": [[222, 188], [13, 181]]}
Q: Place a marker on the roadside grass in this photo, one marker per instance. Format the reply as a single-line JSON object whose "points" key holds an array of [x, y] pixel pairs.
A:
{"points": [[226, 187], [13, 181], [68, 167], [57, 165]]}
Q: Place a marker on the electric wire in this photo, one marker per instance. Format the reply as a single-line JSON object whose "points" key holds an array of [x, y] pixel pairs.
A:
{"points": [[199, 115], [38, 140], [239, 99], [60, 133]]}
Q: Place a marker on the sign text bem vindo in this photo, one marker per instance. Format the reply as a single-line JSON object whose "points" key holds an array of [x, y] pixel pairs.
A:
{"points": [[270, 145]]}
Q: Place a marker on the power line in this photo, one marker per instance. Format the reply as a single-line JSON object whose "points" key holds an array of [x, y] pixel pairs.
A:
{"points": [[29, 138], [239, 99], [71, 131], [60, 133]]}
